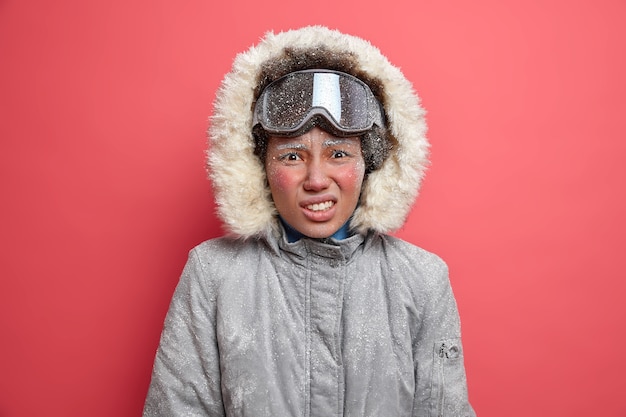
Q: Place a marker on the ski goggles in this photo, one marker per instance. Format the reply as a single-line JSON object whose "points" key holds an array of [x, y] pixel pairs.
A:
{"points": [[293, 103]]}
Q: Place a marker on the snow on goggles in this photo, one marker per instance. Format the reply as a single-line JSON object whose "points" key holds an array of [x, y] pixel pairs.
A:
{"points": [[287, 105]]}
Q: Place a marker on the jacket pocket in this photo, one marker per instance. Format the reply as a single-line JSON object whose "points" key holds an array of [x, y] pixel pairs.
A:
{"points": [[449, 385]]}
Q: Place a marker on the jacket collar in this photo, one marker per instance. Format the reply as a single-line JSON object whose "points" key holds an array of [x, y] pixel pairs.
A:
{"points": [[337, 251]]}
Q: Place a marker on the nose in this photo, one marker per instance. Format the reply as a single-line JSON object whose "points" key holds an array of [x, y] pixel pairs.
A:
{"points": [[317, 178]]}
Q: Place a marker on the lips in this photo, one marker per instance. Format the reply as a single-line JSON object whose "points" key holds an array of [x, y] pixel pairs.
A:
{"points": [[320, 208]]}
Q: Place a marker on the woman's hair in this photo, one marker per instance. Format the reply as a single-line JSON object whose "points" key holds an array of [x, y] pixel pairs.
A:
{"points": [[375, 144]]}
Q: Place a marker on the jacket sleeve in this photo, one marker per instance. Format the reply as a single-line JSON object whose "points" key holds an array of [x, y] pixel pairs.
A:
{"points": [[186, 373], [441, 385]]}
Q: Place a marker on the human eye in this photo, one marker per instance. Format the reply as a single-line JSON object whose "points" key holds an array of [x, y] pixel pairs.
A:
{"points": [[290, 157], [338, 153], [341, 148]]}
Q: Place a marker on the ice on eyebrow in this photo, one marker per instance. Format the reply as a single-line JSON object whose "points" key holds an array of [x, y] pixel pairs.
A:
{"points": [[291, 145], [337, 141]]}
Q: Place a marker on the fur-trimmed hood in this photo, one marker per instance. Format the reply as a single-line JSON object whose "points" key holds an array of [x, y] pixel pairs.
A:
{"points": [[243, 198]]}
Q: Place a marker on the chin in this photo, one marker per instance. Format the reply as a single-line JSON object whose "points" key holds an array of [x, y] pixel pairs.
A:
{"points": [[320, 232]]}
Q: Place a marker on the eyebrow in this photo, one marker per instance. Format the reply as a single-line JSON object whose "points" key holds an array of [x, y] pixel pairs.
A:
{"points": [[291, 145], [336, 141], [328, 143]]}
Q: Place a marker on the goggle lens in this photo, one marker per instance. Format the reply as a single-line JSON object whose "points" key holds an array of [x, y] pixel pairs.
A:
{"points": [[287, 104]]}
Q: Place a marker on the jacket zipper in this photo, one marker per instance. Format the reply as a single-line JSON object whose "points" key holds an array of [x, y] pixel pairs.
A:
{"points": [[443, 354]]}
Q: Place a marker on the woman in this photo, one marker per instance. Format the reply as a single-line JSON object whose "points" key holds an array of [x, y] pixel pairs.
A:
{"points": [[308, 307]]}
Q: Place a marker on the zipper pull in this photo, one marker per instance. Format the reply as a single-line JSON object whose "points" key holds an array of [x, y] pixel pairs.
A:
{"points": [[448, 352], [443, 351]]}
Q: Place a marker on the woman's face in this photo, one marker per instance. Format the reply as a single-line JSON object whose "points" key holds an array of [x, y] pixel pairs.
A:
{"points": [[315, 180]]}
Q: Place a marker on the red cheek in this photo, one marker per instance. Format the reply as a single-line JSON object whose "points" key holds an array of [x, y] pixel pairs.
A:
{"points": [[353, 173], [279, 178]]}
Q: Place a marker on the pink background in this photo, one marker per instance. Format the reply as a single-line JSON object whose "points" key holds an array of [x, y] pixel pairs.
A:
{"points": [[103, 112]]}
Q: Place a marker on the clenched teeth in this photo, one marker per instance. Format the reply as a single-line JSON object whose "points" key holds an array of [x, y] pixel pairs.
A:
{"points": [[320, 206]]}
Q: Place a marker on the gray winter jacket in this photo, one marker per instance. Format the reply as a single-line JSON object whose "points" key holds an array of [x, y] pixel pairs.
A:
{"points": [[367, 326]]}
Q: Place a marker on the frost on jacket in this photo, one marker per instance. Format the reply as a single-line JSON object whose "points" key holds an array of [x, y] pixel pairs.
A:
{"points": [[258, 326]]}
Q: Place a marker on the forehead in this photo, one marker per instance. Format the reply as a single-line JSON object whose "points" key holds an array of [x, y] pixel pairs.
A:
{"points": [[313, 137]]}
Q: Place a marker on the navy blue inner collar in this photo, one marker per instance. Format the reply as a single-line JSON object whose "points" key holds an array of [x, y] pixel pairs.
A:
{"points": [[293, 235]]}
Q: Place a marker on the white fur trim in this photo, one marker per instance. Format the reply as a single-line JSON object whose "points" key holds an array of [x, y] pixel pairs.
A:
{"points": [[243, 198]]}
